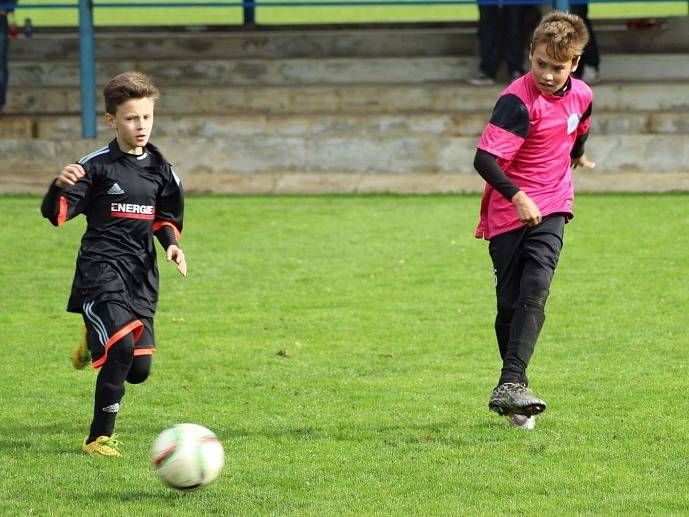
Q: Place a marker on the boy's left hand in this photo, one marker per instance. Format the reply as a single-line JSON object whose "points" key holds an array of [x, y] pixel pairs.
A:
{"points": [[583, 161], [176, 254]]}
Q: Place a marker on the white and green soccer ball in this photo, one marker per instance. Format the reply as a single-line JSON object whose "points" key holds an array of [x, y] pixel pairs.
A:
{"points": [[187, 456]]}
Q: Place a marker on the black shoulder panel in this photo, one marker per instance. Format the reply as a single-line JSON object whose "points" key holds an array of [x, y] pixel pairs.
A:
{"points": [[510, 113]]}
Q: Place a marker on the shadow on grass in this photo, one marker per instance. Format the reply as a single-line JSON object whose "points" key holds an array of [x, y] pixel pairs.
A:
{"points": [[138, 496], [449, 433]]}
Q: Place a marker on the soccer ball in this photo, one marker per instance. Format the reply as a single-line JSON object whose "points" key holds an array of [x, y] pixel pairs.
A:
{"points": [[187, 456]]}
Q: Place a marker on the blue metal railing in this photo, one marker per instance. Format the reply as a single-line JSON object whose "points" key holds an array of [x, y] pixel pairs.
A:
{"points": [[87, 53]]}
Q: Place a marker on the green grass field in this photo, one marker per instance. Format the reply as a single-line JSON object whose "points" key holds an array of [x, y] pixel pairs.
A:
{"points": [[313, 15], [384, 306]]}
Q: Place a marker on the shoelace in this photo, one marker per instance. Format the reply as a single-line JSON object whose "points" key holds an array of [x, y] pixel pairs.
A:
{"points": [[509, 386], [112, 442]]}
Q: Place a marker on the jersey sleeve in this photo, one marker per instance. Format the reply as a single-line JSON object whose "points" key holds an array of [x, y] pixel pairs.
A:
{"points": [[169, 218], [62, 204], [585, 122], [507, 128]]}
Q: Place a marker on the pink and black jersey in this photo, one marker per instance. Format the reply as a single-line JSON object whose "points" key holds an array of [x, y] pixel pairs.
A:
{"points": [[126, 200], [532, 135]]}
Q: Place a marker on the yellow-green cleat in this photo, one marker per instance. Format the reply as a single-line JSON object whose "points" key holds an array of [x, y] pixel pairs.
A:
{"points": [[81, 356], [103, 446]]}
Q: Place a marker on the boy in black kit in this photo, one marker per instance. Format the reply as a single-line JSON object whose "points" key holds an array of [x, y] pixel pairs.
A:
{"points": [[128, 192]]}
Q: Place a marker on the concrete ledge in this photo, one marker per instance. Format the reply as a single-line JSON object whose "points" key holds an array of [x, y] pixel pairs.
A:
{"points": [[649, 154], [351, 99], [344, 183], [375, 125], [390, 70]]}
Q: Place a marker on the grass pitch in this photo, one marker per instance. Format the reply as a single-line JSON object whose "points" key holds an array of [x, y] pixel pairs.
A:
{"points": [[342, 350]]}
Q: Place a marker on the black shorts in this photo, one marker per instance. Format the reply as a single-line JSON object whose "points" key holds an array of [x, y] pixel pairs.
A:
{"points": [[541, 243], [108, 322]]}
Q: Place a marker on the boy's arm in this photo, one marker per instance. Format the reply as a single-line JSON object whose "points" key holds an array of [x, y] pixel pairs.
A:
{"points": [[487, 166], [65, 196], [577, 154], [169, 219]]}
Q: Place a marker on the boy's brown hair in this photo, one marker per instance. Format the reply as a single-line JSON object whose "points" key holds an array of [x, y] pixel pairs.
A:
{"points": [[564, 35], [126, 86]]}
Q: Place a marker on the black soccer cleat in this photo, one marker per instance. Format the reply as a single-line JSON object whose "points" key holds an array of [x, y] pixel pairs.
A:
{"points": [[516, 399]]}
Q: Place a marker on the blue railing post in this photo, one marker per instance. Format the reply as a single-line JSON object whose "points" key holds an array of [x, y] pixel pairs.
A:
{"points": [[249, 12], [562, 5], [87, 69]]}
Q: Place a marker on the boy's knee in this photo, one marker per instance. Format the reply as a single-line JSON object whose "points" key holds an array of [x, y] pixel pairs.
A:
{"points": [[534, 299], [140, 369], [123, 350]]}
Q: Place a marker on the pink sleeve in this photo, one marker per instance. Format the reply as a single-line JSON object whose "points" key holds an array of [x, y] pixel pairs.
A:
{"points": [[500, 142]]}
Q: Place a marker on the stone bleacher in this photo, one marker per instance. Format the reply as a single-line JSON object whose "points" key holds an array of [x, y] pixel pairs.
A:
{"points": [[377, 109]]}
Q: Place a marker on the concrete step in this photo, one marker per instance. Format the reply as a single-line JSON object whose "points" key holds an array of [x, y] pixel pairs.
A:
{"points": [[350, 99], [344, 125], [41, 159], [322, 71], [455, 39]]}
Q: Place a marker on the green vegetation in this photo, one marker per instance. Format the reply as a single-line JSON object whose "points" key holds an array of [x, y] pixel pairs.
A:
{"points": [[342, 349], [312, 15]]}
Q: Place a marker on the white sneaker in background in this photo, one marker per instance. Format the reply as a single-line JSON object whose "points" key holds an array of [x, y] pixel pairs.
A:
{"points": [[481, 80], [522, 421]]}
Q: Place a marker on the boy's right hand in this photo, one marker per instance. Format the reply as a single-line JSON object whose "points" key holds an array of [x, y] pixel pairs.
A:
{"points": [[527, 211], [69, 175]]}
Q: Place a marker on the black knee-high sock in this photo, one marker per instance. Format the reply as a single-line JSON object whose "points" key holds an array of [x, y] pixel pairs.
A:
{"points": [[526, 325], [110, 388], [502, 333]]}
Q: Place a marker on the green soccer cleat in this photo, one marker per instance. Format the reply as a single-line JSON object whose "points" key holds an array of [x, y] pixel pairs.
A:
{"points": [[516, 399], [103, 446], [81, 356]]}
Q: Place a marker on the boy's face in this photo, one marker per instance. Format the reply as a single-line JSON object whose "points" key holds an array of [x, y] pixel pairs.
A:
{"points": [[132, 123], [549, 74]]}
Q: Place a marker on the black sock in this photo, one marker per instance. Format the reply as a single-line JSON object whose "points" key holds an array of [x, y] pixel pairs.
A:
{"points": [[526, 327], [110, 388]]}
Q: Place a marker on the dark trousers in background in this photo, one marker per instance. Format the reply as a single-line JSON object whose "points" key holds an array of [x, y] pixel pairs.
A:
{"points": [[500, 29], [590, 57], [4, 44]]}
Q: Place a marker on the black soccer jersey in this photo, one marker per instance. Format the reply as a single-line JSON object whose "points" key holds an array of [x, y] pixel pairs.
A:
{"points": [[126, 201]]}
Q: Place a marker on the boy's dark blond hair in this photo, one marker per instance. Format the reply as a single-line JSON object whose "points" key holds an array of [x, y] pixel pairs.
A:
{"points": [[564, 35], [126, 86]]}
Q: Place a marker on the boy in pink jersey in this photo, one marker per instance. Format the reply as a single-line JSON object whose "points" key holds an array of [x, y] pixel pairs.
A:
{"points": [[535, 136]]}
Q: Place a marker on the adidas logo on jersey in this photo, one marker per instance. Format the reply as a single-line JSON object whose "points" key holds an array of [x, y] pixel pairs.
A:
{"points": [[115, 189]]}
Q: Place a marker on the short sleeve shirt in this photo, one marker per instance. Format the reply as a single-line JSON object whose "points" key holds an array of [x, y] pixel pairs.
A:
{"points": [[532, 135]]}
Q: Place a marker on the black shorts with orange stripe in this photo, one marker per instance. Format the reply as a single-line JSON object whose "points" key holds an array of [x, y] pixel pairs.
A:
{"points": [[107, 322]]}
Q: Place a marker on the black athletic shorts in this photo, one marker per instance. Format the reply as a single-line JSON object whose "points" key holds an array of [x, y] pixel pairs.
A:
{"points": [[541, 243], [107, 322]]}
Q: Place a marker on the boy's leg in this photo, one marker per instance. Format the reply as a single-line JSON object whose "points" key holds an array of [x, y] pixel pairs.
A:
{"points": [[112, 331], [143, 353], [504, 251], [531, 253], [527, 322], [110, 388], [539, 254]]}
